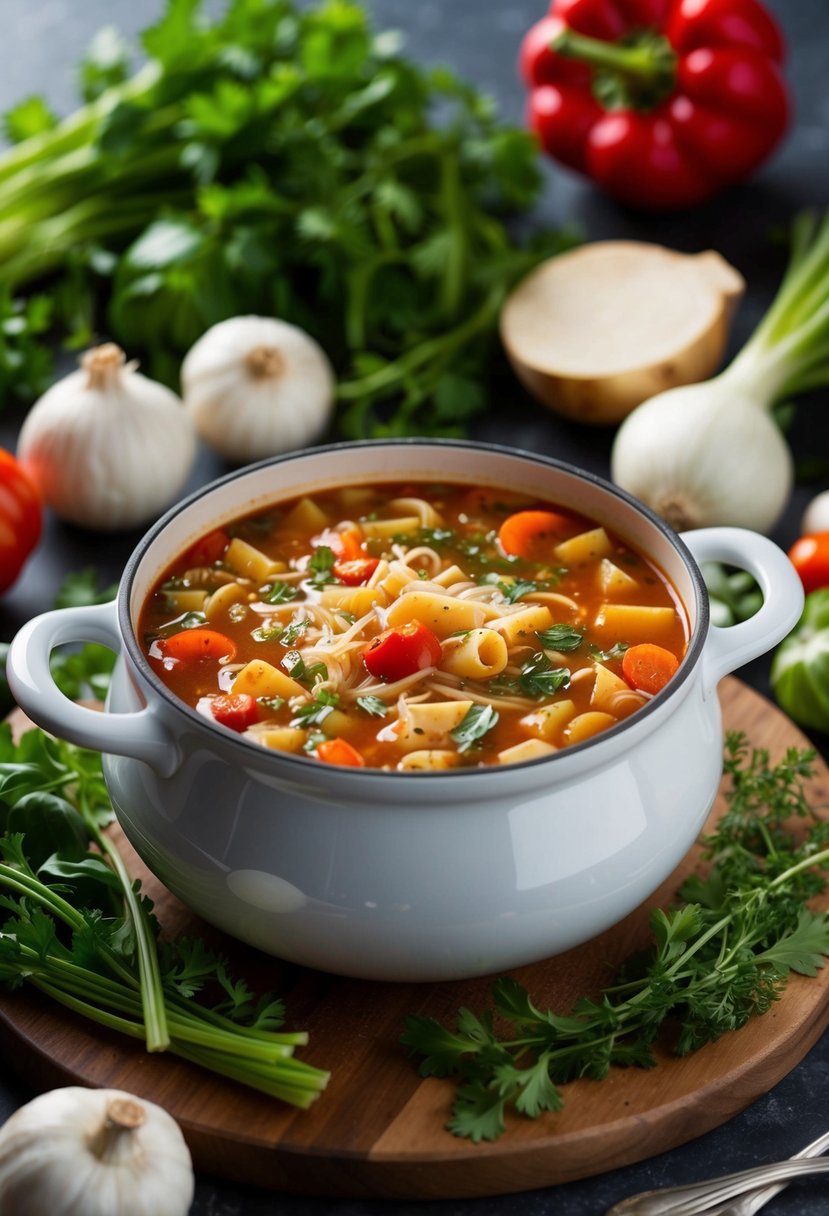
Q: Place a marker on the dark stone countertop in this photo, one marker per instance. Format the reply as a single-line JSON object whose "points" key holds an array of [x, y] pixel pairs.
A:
{"points": [[45, 38]]}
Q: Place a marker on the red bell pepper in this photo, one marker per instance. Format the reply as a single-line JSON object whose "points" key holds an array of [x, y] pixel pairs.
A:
{"points": [[21, 518], [662, 102]]}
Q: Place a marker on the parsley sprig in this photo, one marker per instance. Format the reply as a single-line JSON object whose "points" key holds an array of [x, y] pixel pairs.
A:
{"points": [[79, 930], [718, 958], [307, 169]]}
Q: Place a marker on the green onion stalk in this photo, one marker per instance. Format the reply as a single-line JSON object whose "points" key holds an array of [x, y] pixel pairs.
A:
{"points": [[713, 453]]}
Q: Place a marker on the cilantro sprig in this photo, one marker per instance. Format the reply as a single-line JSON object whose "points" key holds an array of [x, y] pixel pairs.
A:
{"points": [[718, 958]]}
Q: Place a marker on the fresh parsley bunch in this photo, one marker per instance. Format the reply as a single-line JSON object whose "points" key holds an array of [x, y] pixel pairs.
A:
{"points": [[280, 159], [720, 957]]}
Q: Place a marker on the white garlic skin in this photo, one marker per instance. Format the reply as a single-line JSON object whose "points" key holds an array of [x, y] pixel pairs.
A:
{"points": [[49, 1163], [108, 448], [816, 515], [257, 387]]}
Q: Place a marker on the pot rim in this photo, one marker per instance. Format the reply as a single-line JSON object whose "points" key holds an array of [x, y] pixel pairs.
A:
{"points": [[305, 763]]}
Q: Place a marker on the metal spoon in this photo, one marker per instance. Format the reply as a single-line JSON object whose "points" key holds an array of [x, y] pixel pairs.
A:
{"points": [[754, 1200], [702, 1197]]}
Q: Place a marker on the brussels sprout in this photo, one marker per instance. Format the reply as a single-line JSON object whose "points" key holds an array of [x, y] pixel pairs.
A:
{"points": [[800, 669], [733, 595]]}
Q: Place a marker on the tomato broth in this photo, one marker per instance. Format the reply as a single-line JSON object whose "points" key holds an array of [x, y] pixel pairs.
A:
{"points": [[414, 626]]}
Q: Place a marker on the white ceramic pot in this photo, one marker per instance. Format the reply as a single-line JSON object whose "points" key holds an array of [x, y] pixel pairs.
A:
{"points": [[410, 876]]}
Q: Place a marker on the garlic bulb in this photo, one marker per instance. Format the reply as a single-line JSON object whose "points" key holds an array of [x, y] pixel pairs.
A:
{"points": [[816, 515], [93, 1152], [107, 447], [706, 454], [256, 386]]}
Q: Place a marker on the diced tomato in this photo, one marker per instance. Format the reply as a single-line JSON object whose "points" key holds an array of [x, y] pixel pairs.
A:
{"points": [[402, 651], [339, 751], [357, 571], [238, 710], [209, 549], [810, 557], [195, 645]]}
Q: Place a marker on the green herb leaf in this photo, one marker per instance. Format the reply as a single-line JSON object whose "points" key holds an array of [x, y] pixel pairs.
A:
{"points": [[321, 566], [290, 633], [560, 637], [476, 722], [373, 705], [540, 679], [512, 592], [280, 593], [315, 712], [616, 651]]}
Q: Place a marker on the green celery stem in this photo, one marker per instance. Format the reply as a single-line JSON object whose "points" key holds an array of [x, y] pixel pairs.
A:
{"points": [[641, 63]]}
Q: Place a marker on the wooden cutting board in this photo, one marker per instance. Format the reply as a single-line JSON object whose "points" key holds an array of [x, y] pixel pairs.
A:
{"points": [[378, 1130]]}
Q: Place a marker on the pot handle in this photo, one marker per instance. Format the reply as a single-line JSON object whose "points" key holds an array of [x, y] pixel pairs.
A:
{"points": [[140, 734], [727, 648]]}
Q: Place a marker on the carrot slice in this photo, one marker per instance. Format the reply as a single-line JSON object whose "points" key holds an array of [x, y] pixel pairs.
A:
{"points": [[648, 667], [340, 751], [533, 533], [350, 547], [194, 645]]}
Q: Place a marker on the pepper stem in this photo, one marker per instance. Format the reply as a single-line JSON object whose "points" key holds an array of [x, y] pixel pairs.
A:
{"points": [[638, 72]]}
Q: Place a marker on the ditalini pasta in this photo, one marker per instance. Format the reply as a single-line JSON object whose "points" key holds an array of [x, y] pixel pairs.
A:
{"points": [[414, 627]]}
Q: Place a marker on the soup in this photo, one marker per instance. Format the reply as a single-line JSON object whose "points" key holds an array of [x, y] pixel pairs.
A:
{"points": [[414, 627]]}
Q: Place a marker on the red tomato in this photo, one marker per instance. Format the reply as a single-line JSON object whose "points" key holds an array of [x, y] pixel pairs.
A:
{"points": [[339, 751], [810, 557], [402, 651], [238, 710], [209, 549], [20, 518], [354, 573]]}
